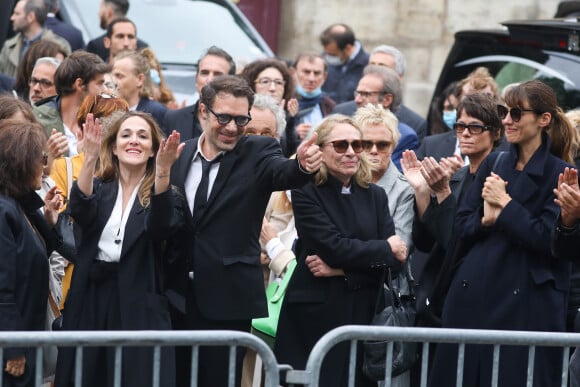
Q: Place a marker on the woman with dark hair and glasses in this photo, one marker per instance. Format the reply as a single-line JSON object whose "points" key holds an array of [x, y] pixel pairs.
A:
{"points": [[343, 220], [272, 77], [27, 239], [508, 278]]}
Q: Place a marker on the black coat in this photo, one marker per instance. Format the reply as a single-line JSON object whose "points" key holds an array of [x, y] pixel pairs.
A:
{"points": [[348, 232], [23, 276], [73, 35], [156, 109], [222, 247], [508, 279], [184, 121], [142, 305]]}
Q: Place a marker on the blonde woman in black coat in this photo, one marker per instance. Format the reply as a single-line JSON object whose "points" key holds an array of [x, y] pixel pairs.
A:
{"points": [[345, 221]]}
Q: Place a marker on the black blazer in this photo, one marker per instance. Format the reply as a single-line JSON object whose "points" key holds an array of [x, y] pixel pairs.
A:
{"points": [[184, 121], [222, 248], [437, 146], [73, 35], [156, 109], [142, 305]]}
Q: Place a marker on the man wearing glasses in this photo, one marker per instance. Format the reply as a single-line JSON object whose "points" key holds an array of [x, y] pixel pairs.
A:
{"points": [[381, 85], [214, 274], [42, 79], [80, 74]]}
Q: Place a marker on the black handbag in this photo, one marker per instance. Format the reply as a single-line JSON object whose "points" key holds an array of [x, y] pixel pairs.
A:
{"points": [[399, 312], [65, 226]]}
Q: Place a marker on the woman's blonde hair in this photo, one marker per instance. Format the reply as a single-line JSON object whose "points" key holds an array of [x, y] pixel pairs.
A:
{"points": [[109, 163], [377, 115], [363, 175]]}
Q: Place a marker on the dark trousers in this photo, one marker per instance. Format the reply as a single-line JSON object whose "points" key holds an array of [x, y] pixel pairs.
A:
{"points": [[213, 367]]}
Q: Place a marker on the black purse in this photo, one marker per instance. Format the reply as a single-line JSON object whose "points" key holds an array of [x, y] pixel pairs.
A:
{"points": [[399, 312], [65, 226]]}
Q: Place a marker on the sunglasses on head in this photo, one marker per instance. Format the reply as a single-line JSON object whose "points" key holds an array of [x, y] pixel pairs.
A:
{"points": [[460, 127], [341, 146], [224, 119], [515, 113], [382, 146]]}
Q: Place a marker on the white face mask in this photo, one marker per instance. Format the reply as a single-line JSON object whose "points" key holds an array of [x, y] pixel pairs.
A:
{"points": [[333, 60]]}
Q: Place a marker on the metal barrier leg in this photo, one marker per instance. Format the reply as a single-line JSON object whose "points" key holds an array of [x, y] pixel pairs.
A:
{"points": [[565, 362], [156, 365], [460, 365], [232, 367], [531, 358], [194, 365], [78, 366], [352, 364], [495, 365], [118, 365], [425, 363]]}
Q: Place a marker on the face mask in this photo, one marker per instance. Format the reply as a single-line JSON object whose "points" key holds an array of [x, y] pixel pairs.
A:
{"points": [[333, 60], [449, 117], [308, 94], [155, 76]]}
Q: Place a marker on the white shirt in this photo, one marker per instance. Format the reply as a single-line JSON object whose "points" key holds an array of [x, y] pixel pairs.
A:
{"points": [[111, 241], [194, 175], [72, 141]]}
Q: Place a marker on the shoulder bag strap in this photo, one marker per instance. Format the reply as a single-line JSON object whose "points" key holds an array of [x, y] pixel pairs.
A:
{"points": [[69, 176]]}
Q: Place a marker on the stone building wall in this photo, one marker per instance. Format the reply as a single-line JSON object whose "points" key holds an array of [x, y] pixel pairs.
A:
{"points": [[422, 29]]}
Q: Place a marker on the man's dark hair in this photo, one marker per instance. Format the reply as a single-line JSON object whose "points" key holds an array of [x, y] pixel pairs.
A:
{"points": [[121, 6], [111, 25], [226, 84], [38, 8], [221, 53], [79, 64], [483, 107], [340, 33], [310, 56], [51, 5]]}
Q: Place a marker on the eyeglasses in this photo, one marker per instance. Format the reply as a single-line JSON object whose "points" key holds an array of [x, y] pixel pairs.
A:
{"points": [[382, 146], [515, 113], [44, 159], [341, 146], [224, 119], [366, 94], [460, 127], [44, 83], [268, 81]]}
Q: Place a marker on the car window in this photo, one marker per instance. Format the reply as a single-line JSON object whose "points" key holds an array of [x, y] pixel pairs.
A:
{"points": [[177, 30], [559, 70]]}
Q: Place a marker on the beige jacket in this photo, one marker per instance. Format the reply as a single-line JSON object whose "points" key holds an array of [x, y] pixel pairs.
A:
{"points": [[10, 54]]}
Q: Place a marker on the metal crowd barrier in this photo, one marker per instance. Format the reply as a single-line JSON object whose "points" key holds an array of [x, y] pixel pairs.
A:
{"points": [[308, 377], [355, 333], [155, 339]]}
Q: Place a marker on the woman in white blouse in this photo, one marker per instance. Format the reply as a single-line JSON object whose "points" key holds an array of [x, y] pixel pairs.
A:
{"points": [[125, 209]]}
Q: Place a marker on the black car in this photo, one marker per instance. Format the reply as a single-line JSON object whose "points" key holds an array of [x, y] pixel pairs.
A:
{"points": [[548, 50], [177, 30]]}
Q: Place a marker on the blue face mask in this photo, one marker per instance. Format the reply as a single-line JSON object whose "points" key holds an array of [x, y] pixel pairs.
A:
{"points": [[449, 117], [305, 94]]}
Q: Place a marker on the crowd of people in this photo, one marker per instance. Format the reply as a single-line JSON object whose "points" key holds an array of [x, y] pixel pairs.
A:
{"points": [[184, 214]]}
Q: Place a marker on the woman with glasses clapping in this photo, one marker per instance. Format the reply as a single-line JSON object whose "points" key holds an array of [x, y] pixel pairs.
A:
{"points": [[346, 240], [507, 278]]}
